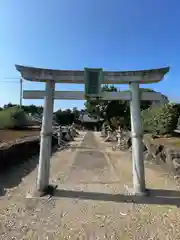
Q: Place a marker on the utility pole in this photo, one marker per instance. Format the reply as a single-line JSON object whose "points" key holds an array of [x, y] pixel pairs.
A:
{"points": [[21, 89]]}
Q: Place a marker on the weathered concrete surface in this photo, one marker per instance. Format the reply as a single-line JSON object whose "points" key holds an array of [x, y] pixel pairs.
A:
{"points": [[91, 201], [90, 164]]}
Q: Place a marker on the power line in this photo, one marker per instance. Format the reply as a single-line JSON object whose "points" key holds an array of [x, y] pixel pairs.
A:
{"points": [[9, 81], [11, 77], [14, 81]]}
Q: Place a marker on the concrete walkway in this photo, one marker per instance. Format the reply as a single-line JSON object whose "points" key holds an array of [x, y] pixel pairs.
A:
{"points": [[92, 201]]}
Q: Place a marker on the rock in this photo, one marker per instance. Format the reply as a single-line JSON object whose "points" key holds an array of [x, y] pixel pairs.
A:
{"points": [[176, 163], [148, 156], [168, 155], [169, 159], [158, 158], [154, 152], [151, 149]]}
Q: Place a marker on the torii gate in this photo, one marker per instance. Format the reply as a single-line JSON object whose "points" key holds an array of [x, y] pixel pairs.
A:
{"points": [[133, 78]]}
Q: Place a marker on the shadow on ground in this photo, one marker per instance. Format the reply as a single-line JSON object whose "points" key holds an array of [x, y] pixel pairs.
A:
{"points": [[79, 147], [13, 176], [156, 196]]}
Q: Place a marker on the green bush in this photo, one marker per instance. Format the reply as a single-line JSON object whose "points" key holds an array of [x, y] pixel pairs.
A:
{"points": [[178, 123], [161, 119], [12, 118]]}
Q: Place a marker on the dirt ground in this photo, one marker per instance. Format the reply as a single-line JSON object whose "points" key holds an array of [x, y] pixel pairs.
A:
{"points": [[168, 141], [11, 135], [93, 199]]}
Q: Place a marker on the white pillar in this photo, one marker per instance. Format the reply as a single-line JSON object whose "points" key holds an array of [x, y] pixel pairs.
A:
{"points": [[137, 135], [46, 137]]}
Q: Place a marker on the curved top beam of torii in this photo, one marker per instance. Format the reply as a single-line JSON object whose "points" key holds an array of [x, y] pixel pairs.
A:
{"points": [[76, 76]]}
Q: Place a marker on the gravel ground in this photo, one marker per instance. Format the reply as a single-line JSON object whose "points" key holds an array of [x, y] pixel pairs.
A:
{"points": [[92, 199]]}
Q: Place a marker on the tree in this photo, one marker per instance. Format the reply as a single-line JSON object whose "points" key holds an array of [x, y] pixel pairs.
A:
{"points": [[76, 114], [67, 116], [118, 110], [13, 118], [9, 105], [33, 109], [109, 109]]}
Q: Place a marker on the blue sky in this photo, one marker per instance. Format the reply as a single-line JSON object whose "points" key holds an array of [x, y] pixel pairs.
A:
{"points": [[73, 34]]}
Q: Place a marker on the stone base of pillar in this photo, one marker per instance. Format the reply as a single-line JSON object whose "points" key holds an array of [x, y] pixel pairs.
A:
{"points": [[145, 193], [48, 191]]}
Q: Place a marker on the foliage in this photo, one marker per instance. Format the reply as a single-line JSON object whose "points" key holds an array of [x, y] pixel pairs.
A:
{"points": [[67, 116], [12, 118], [178, 124], [33, 109], [161, 119], [115, 122], [114, 112]]}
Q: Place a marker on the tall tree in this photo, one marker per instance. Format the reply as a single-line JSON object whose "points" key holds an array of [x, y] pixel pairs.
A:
{"points": [[67, 116], [117, 109]]}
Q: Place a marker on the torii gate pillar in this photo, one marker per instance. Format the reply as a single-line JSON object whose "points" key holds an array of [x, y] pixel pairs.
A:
{"points": [[137, 135], [46, 137]]}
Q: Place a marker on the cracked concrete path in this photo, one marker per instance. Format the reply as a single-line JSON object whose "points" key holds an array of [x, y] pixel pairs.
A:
{"points": [[91, 200]]}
